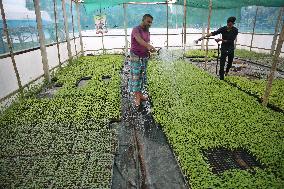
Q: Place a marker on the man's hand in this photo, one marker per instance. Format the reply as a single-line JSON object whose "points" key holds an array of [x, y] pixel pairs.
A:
{"points": [[218, 40], [151, 48], [200, 39]]}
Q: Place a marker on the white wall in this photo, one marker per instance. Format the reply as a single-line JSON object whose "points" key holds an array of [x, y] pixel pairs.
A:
{"points": [[8, 80], [244, 39], [93, 41], [63, 52], [52, 56], [73, 47], [29, 66], [78, 45]]}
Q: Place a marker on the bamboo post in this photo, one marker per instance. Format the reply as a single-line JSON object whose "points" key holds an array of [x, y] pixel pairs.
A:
{"points": [[208, 30], [42, 41], [66, 30], [236, 40], [10, 46], [253, 29], [56, 31], [73, 29], [2, 46], [182, 34], [79, 28], [125, 29], [273, 68], [167, 25], [277, 26], [176, 18], [203, 34], [104, 51], [184, 24]]}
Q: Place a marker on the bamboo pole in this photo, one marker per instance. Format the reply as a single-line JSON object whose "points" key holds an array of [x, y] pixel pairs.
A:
{"points": [[10, 46], [66, 30], [56, 31], [125, 28], [184, 24], [203, 34], [236, 40], [42, 41], [167, 25], [277, 26], [73, 28], [2, 46], [104, 51], [182, 34], [253, 29], [79, 28], [273, 67], [208, 30]]}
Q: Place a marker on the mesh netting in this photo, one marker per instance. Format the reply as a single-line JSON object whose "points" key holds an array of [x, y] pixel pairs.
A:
{"points": [[216, 4], [196, 17]]}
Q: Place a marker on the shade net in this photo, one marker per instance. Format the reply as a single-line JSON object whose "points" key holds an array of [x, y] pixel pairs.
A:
{"points": [[266, 17], [216, 4]]}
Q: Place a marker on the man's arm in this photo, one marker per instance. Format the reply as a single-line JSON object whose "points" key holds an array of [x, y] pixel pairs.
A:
{"points": [[206, 36], [210, 34]]}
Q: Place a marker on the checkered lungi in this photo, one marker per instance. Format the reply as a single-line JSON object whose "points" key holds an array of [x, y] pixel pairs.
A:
{"points": [[138, 73]]}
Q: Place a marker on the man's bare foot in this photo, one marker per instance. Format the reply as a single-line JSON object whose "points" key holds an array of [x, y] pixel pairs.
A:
{"points": [[144, 98], [137, 99], [137, 103]]}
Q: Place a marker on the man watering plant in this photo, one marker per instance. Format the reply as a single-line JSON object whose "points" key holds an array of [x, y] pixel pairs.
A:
{"points": [[229, 34], [139, 54]]}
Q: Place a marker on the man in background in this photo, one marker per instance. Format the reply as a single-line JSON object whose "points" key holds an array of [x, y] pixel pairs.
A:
{"points": [[229, 34]]}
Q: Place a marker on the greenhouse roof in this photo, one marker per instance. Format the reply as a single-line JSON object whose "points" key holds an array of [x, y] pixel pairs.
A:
{"points": [[217, 4], [226, 4]]}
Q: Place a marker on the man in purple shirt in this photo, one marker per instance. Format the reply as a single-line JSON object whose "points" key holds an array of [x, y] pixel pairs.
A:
{"points": [[139, 54]]}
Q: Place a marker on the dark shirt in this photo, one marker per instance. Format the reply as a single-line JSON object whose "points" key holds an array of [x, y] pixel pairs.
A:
{"points": [[229, 35]]}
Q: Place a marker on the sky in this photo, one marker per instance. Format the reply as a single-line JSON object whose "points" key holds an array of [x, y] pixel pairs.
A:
{"points": [[16, 10]]}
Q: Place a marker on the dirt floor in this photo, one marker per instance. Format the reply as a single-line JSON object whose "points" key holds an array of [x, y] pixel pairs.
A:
{"points": [[240, 67]]}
